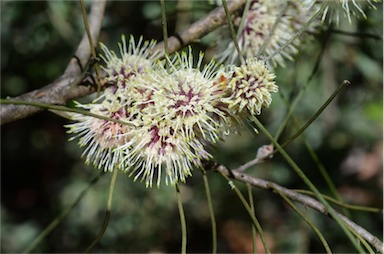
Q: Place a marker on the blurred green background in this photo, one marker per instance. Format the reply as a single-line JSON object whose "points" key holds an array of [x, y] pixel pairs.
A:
{"points": [[41, 172]]}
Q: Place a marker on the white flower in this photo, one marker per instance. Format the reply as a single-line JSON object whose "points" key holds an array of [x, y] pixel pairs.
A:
{"points": [[101, 137], [178, 118], [134, 60], [250, 87]]}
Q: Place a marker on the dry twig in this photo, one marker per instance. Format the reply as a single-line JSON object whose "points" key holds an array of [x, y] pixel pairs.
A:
{"points": [[303, 199]]}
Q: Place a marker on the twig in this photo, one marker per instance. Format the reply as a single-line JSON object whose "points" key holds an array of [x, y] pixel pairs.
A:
{"points": [[304, 199], [251, 214], [306, 219], [252, 205], [200, 28], [182, 221], [310, 185], [211, 212], [233, 32], [67, 86], [107, 212], [91, 45], [54, 108]]}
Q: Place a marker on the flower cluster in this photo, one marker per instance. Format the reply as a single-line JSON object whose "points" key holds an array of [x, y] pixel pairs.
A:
{"points": [[268, 25], [166, 112]]}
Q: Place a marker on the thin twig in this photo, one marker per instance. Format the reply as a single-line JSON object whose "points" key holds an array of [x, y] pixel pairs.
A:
{"points": [[65, 87], [182, 221], [107, 213], [249, 210], [310, 185], [252, 205], [205, 25], [211, 212], [345, 205], [306, 219], [314, 117], [233, 32], [91, 45], [304, 199], [165, 29], [64, 109]]}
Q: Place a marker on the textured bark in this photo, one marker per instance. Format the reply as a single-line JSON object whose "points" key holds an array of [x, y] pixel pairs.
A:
{"points": [[298, 197], [68, 86]]}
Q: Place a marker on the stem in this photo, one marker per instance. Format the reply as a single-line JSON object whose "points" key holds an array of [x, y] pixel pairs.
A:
{"points": [[311, 152], [305, 218], [308, 182], [325, 175], [211, 212], [182, 221], [63, 108], [232, 31], [107, 213], [341, 204], [243, 19], [318, 112], [93, 52], [165, 30], [249, 210], [296, 196], [291, 107], [251, 204]]}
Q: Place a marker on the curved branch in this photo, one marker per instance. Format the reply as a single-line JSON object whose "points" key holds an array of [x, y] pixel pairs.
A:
{"points": [[67, 86], [304, 199], [200, 28]]}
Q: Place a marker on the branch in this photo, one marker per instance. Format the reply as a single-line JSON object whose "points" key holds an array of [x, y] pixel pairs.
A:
{"points": [[304, 199], [200, 28], [67, 86]]}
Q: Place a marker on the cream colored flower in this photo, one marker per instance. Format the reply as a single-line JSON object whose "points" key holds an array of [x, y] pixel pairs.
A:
{"points": [[178, 118], [250, 87]]}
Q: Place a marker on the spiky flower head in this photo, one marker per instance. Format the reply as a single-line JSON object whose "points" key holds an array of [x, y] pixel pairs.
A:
{"points": [[268, 25], [101, 137], [134, 60], [250, 87], [344, 8], [166, 113], [177, 117]]}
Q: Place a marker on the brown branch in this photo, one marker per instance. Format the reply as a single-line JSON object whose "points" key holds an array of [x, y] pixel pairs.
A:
{"points": [[304, 199], [200, 28], [68, 86]]}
